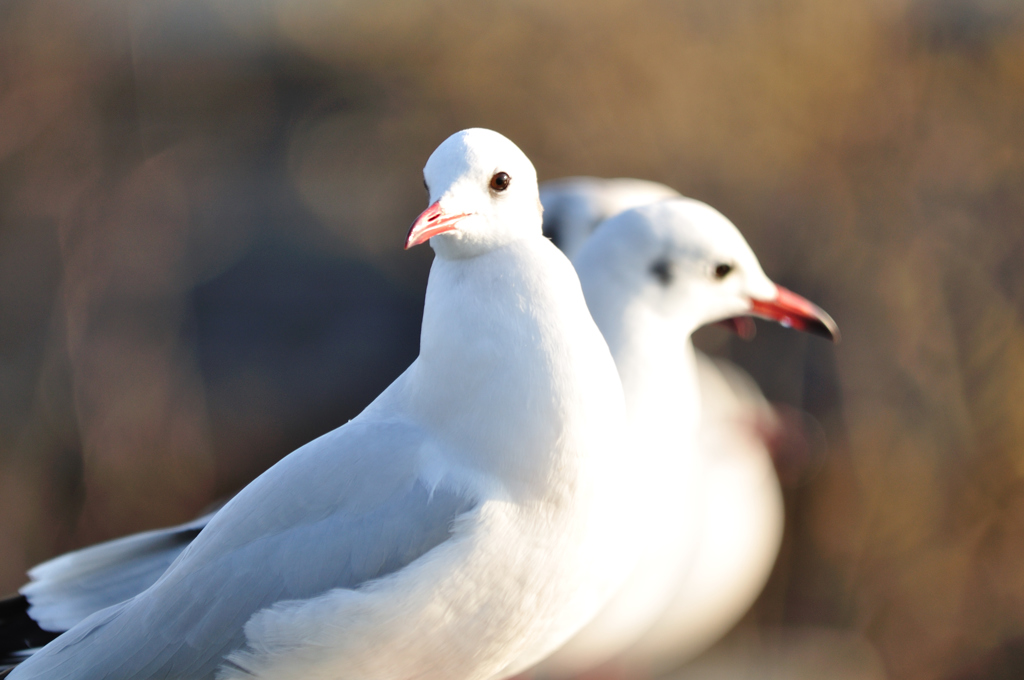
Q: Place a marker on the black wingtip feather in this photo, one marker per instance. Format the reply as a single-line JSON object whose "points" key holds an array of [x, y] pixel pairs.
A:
{"points": [[18, 632]]}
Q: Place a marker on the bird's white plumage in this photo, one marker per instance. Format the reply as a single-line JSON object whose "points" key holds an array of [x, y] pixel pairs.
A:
{"points": [[739, 527], [463, 526], [574, 206], [716, 529]]}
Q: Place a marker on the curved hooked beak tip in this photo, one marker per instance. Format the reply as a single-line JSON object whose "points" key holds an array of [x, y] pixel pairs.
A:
{"points": [[794, 311], [431, 222]]}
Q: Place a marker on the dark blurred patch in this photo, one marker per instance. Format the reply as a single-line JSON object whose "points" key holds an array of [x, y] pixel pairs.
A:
{"points": [[293, 343], [1006, 662], [550, 228], [967, 26]]}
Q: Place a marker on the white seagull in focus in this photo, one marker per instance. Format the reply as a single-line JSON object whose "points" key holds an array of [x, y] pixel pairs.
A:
{"points": [[463, 526], [651, 277], [66, 589]]}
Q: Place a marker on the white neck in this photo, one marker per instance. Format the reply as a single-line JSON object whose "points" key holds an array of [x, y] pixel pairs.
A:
{"points": [[508, 332], [655, 359], [657, 365]]}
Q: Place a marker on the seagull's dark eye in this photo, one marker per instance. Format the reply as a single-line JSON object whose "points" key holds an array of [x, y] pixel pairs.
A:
{"points": [[662, 270], [722, 270], [500, 181]]}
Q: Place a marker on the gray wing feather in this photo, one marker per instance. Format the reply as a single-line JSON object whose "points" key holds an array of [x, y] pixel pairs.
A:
{"points": [[67, 589], [345, 509]]}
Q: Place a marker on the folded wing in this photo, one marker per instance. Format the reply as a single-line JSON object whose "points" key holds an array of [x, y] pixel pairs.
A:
{"points": [[345, 509]]}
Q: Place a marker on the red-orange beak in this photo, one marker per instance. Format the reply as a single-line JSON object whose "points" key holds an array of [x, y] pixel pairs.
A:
{"points": [[791, 310], [431, 222]]}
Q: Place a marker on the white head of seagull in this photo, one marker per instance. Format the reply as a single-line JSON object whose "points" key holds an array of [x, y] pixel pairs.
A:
{"points": [[483, 195], [682, 264]]}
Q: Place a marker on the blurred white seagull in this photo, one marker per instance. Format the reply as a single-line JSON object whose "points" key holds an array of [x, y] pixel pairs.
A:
{"points": [[462, 527], [574, 206], [652, 275]]}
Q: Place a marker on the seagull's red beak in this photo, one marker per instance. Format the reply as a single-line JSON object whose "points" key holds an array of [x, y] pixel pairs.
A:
{"points": [[431, 222], [791, 310]]}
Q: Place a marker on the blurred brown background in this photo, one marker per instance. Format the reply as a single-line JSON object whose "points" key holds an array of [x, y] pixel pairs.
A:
{"points": [[202, 207]]}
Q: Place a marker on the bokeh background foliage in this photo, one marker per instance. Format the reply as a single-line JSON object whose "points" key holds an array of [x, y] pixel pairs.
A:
{"points": [[202, 207]]}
